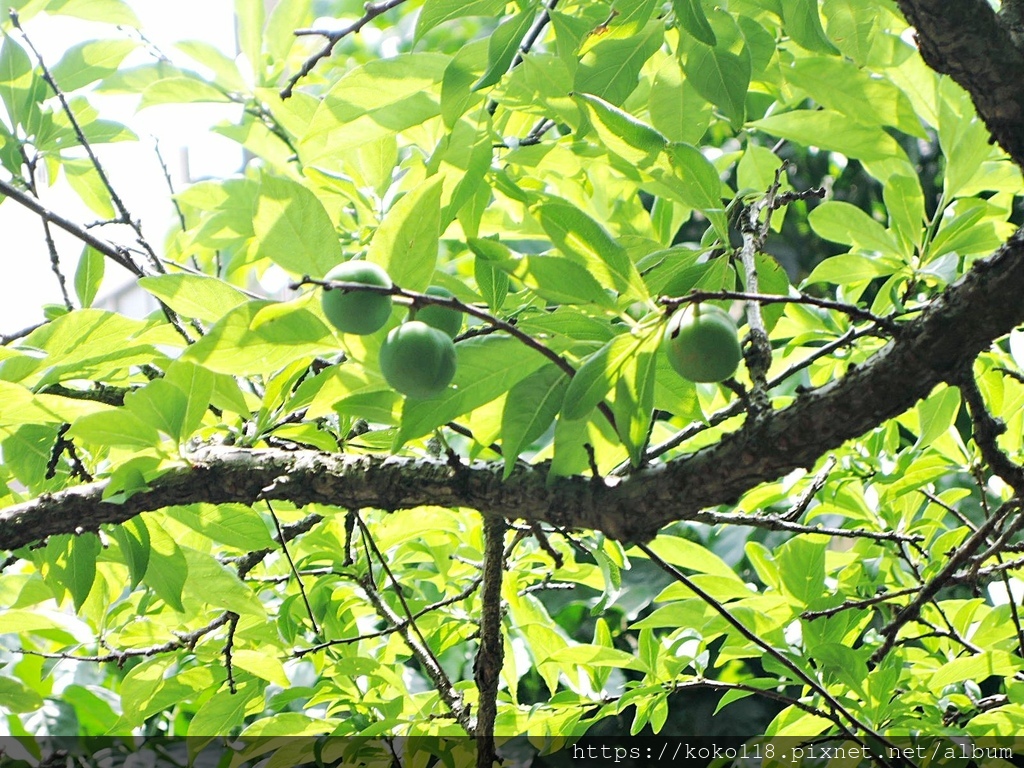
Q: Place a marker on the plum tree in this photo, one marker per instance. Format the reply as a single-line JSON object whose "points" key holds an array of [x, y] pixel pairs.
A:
{"points": [[213, 522], [359, 312], [702, 343], [418, 360]]}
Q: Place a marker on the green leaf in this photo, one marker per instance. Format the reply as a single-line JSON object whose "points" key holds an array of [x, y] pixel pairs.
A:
{"points": [[436, 12], [250, 16], [168, 569], [458, 93], [581, 238], [721, 77], [116, 427], [224, 68], [834, 131], [214, 584], [18, 85], [838, 84], [629, 138], [689, 555], [561, 281], [222, 712], [771, 279], [594, 656], [89, 275], [803, 25], [159, 404], [234, 525], [261, 337], [132, 538], [82, 176], [634, 397], [406, 243], [677, 110], [845, 223], [530, 409], [701, 187], [801, 563], [16, 697], [197, 384], [204, 298], [690, 16], [848, 269], [611, 68], [181, 90], [381, 98], [904, 201], [595, 378], [106, 11], [156, 685], [491, 282], [977, 667], [488, 367], [81, 566], [937, 414], [292, 228], [502, 47], [85, 63]]}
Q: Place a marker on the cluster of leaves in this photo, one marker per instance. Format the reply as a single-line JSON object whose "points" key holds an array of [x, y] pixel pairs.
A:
{"points": [[560, 168]]}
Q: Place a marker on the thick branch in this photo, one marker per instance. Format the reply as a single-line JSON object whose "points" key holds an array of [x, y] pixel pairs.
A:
{"points": [[964, 39], [982, 306]]}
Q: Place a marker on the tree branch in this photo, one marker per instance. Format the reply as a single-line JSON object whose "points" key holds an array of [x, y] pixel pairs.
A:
{"points": [[930, 349], [966, 41]]}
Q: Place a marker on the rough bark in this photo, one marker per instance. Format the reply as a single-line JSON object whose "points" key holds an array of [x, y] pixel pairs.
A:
{"points": [[985, 304], [965, 40]]}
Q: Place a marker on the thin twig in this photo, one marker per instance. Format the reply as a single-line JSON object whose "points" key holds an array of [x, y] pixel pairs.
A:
{"points": [[529, 39], [170, 187], [117, 254], [8, 338], [928, 591], [229, 646], [887, 323], [468, 590], [987, 430], [124, 216], [837, 710], [291, 563], [51, 246], [373, 10], [783, 523], [867, 602], [812, 490], [412, 635]]}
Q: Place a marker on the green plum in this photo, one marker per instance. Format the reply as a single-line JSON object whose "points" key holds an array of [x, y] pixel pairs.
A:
{"points": [[417, 360], [702, 343], [442, 318], [359, 312]]}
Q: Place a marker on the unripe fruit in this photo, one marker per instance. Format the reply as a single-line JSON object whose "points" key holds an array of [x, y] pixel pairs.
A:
{"points": [[442, 318], [359, 312], [417, 360], [702, 343]]}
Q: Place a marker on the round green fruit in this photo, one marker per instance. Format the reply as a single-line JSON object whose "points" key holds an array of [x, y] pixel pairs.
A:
{"points": [[359, 312], [442, 318], [417, 360], [702, 344]]}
